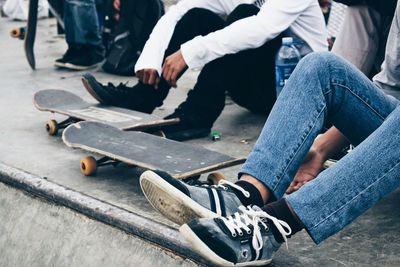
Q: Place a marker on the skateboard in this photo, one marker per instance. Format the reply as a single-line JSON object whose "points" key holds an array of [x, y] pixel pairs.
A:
{"points": [[28, 33], [77, 109], [180, 160], [31, 32]]}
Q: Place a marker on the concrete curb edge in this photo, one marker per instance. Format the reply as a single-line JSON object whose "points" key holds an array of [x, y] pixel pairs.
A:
{"points": [[159, 234]]}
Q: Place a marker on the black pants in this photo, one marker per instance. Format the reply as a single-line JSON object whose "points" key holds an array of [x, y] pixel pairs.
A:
{"points": [[248, 76]]}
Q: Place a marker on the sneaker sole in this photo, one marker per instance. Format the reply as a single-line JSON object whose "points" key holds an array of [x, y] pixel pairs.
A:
{"points": [[59, 64], [210, 255], [75, 67], [90, 90], [171, 202]]}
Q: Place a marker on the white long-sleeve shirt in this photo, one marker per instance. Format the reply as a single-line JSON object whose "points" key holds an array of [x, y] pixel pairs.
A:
{"points": [[302, 17]]}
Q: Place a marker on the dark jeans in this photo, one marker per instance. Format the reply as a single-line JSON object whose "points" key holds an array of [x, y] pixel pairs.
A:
{"points": [[82, 29], [248, 76]]}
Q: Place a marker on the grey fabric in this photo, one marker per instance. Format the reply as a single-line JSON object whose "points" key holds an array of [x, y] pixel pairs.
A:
{"points": [[362, 38], [389, 77], [200, 195]]}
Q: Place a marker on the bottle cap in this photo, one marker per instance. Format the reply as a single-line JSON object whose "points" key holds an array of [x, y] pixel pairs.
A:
{"points": [[287, 40]]}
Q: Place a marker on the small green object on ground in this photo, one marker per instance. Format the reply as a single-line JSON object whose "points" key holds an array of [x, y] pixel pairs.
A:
{"points": [[216, 136]]}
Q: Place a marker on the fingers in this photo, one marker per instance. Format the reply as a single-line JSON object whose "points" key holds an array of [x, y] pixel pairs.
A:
{"points": [[291, 188], [170, 73], [173, 66], [152, 78], [167, 71], [294, 186], [174, 76], [139, 74], [148, 76], [157, 82]]}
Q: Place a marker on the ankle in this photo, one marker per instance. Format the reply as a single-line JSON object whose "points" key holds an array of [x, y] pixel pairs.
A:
{"points": [[281, 210], [262, 189], [254, 197]]}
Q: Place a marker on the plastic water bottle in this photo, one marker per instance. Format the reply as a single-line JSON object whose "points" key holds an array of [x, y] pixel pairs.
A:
{"points": [[286, 60]]}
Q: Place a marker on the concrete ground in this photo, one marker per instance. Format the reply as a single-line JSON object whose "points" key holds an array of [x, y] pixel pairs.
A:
{"points": [[372, 240]]}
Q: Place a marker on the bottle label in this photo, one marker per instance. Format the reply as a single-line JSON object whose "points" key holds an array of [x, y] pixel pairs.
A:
{"points": [[283, 73]]}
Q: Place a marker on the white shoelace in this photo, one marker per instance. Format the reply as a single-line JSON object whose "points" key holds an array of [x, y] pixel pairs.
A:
{"points": [[240, 221], [221, 184]]}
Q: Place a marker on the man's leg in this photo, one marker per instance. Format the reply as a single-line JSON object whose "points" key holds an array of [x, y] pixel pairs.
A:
{"points": [[249, 77], [368, 31], [324, 89], [349, 188], [143, 97], [83, 36], [323, 207]]}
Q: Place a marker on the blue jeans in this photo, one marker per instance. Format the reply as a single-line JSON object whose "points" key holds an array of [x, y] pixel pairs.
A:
{"points": [[82, 24], [324, 89]]}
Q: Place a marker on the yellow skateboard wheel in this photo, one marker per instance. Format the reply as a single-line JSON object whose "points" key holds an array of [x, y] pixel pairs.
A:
{"points": [[88, 166], [214, 178], [52, 127]]}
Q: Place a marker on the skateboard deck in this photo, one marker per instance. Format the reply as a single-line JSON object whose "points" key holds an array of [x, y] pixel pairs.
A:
{"points": [[31, 32], [180, 160], [77, 109]]}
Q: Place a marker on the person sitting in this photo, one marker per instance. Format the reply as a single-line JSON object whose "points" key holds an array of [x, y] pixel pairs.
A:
{"points": [[237, 55], [367, 24], [246, 222]]}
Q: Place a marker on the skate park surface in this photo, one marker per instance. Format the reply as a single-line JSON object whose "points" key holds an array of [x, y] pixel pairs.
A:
{"points": [[51, 215]]}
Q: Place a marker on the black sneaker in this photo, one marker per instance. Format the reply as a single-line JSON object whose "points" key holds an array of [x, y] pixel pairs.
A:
{"points": [[188, 127], [137, 98], [242, 239], [105, 94], [181, 203], [71, 53], [80, 59], [184, 131]]}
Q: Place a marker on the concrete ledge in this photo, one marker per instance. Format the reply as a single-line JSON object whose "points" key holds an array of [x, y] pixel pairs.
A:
{"points": [[166, 237]]}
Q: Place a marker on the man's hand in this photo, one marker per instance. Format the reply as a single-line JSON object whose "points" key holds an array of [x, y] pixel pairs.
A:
{"points": [[149, 76], [173, 66], [323, 148], [312, 165]]}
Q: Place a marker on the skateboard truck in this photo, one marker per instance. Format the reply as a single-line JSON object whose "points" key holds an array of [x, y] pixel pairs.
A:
{"points": [[89, 165], [52, 126]]}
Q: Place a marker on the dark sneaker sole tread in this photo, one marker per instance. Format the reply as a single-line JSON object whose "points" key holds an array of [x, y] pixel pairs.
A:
{"points": [[171, 202], [75, 67], [90, 90], [210, 255]]}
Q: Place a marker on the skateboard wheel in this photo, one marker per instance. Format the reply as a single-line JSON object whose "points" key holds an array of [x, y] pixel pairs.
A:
{"points": [[88, 166], [214, 178], [52, 127], [18, 33]]}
